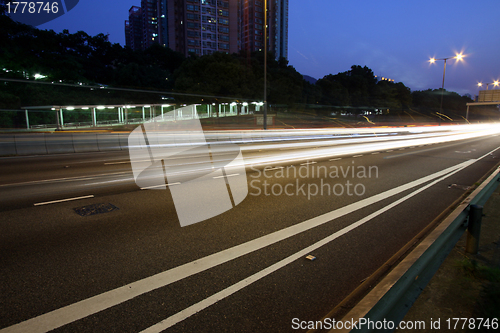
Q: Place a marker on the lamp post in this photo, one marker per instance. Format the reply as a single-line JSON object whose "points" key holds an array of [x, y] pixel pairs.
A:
{"points": [[458, 57], [494, 83], [265, 64]]}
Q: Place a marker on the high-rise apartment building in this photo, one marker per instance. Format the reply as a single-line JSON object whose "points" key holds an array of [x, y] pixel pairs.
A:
{"points": [[205, 26], [150, 22], [133, 28], [202, 26], [278, 27], [252, 26]]}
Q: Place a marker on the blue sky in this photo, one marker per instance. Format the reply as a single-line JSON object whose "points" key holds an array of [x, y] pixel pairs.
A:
{"points": [[395, 38]]}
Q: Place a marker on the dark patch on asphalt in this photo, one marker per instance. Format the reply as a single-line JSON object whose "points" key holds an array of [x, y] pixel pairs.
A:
{"points": [[94, 209], [459, 187]]}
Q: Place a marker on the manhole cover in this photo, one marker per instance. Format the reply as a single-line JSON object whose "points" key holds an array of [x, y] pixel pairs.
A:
{"points": [[95, 209]]}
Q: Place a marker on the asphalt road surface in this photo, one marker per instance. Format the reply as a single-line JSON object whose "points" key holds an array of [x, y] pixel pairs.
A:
{"points": [[349, 203]]}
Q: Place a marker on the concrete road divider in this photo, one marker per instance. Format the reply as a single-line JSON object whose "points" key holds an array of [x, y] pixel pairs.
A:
{"points": [[108, 141], [7, 145], [85, 142], [59, 143], [123, 139], [30, 144]]}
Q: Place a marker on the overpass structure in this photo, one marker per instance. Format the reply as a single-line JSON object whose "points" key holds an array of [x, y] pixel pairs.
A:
{"points": [[138, 113], [486, 97]]}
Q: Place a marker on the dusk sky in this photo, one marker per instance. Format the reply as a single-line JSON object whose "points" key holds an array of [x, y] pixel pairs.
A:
{"points": [[395, 38]]}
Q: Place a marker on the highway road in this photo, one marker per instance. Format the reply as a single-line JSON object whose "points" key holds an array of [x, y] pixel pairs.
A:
{"points": [[351, 202]]}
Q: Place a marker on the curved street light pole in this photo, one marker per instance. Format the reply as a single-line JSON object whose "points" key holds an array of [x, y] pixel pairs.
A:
{"points": [[442, 86]]}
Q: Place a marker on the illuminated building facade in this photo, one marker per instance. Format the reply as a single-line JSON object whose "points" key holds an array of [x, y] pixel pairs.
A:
{"points": [[203, 27]]}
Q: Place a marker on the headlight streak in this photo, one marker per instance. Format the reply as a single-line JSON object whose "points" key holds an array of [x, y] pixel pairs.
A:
{"points": [[325, 149]]}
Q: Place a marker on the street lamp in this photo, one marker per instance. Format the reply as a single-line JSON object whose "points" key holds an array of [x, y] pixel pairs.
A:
{"points": [[494, 83], [265, 64], [458, 57]]}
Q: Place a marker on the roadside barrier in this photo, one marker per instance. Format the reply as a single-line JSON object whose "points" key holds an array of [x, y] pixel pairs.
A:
{"points": [[66, 142]]}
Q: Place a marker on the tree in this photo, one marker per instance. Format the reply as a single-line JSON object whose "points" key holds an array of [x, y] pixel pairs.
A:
{"points": [[216, 74]]}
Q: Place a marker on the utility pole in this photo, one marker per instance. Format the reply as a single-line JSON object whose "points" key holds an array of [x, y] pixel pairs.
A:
{"points": [[265, 64]]}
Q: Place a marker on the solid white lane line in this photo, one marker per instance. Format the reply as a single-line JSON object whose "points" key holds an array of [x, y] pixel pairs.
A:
{"points": [[335, 159], [84, 308], [234, 174], [357, 156], [156, 186], [307, 163], [62, 200], [375, 153], [195, 308]]}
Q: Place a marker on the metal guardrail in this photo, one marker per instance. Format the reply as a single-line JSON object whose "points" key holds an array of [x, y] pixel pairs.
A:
{"points": [[391, 299]]}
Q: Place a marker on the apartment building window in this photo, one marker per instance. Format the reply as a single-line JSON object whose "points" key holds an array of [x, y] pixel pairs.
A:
{"points": [[224, 38], [224, 21], [224, 30], [193, 16], [223, 46], [193, 25], [208, 19], [193, 7], [211, 45], [208, 27], [223, 4], [208, 36], [207, 10], [191, 33]]}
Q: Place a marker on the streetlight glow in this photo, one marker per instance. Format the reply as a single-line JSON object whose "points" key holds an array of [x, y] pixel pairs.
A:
{"points": [[458, 57], [494, 83]]}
